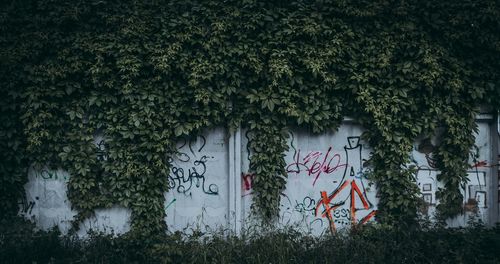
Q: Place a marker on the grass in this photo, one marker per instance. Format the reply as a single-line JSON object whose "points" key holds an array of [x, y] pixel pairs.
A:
{"points": [[371, 244]]}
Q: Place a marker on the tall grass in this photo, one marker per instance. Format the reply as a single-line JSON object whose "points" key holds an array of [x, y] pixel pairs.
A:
{"points": [[371, 244]]}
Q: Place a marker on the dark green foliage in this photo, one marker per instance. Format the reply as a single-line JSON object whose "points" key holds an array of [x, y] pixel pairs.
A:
{"points": [[367, 245], [13, 160], [268, 145], [144, 73], [453, 155]]}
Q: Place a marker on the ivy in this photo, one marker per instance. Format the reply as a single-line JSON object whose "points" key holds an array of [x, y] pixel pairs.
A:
{"points": [[453, 159], [270, 179], [140, 75]]}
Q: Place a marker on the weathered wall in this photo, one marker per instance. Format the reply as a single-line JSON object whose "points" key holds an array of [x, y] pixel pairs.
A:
{"points": [[211, 186], [199, 186], [47, 204], [326, 181], [478, 192]]}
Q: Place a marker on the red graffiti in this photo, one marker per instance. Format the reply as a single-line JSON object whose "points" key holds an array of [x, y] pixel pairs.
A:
{"points": [[355, 190], [479, 164], [314, 165], [326, 203], [247, 180], [368, 217]]}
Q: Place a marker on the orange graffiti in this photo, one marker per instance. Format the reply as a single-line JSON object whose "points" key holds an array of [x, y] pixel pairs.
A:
{"points": [[328, 208], [355, 189], [368, 217]]}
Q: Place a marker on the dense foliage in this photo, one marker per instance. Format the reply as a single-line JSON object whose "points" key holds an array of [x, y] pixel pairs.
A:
{"points": [[370, 245], [144, 73]]}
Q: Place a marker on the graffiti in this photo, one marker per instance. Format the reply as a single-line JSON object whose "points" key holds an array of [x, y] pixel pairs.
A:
{"points": [[475, 192], [247, 180], [247, 136], [314, 165], [431, 161], [353, 159], [427, 148], [183, 181], [101, 152], [169, 204], [195, 176], [183, 156], [329, 206], [50, 175], [351, 187], [341, 214], [306, 206], [26, 207], [326, 203], [286, 205], [428, 186], [317, 220], [482, 164]]}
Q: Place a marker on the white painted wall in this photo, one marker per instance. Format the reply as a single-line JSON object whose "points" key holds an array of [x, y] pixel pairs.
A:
{"points": [[48, 206], [331, 163], [199, 183], [477, 193], [46, 201], [211, 187]]}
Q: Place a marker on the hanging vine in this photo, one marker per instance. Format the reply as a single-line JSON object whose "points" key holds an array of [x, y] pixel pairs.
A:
{"points": [[140, 75]]}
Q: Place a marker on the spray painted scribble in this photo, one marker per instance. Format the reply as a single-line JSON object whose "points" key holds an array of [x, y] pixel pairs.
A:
{"points": [[474, 193], [427, 148], [26, 206], [246, 183], [187, 144], [352, 183], [316, 163], [329, 204], [348, 204], [170, 203], [247, 180], [307, 205], [50, 175], [101, 152], [182, 180]]}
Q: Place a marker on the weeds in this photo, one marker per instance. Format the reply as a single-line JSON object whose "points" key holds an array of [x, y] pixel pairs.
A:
{"points": [[371, 244]]}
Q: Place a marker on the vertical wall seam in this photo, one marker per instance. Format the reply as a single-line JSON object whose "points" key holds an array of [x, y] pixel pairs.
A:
{"points": [[237, 182], [231, 206]]}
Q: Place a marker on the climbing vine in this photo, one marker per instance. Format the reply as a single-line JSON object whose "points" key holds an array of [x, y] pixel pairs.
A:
{"points": [[453, 159], [142, 74]]}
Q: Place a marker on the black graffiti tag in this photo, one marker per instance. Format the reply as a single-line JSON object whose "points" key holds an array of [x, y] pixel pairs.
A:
{"points": [[183, 182]]}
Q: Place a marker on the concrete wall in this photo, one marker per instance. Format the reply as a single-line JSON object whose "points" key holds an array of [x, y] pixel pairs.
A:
{"points": [[199, 183], [480, 198], [327, 188], [47, 204]]}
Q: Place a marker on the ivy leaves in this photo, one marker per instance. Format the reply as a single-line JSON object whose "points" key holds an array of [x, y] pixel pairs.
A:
{"points": [[141, 75], [267, 145]]}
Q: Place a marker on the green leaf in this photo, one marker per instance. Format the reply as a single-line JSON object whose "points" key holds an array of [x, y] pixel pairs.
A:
{"points": [[178, 131]]}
